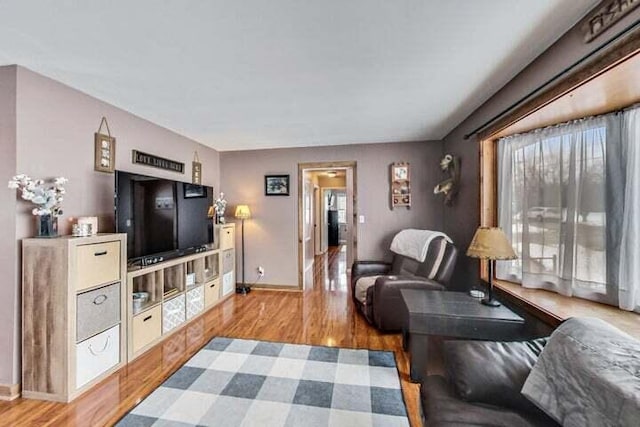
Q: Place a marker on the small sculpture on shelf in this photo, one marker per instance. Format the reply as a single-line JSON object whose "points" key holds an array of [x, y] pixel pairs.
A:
{"points": [[220, 205], [47, 196]]}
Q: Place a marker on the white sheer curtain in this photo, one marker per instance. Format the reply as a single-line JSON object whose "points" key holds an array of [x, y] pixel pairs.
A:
{"points": [[569, 199], [629, 286], [552, 206]]}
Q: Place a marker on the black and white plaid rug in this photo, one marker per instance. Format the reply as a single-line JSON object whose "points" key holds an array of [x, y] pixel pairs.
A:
{"points": [[234, 382]]}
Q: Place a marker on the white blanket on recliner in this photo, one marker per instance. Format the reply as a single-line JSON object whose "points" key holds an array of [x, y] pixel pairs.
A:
{"points": [[414, 243]]}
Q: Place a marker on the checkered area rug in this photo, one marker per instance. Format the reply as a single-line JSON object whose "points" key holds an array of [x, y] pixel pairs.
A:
{"points": [[234, 382]]}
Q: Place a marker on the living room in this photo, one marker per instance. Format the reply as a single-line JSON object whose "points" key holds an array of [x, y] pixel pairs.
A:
{"points": [[364, 84]]}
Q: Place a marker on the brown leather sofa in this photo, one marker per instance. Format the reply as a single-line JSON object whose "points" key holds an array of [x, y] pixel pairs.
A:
{"points": [[382, 305], [482, 386]]}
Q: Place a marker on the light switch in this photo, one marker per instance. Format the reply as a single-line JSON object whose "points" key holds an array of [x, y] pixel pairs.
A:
{"points": [[361, 219]]}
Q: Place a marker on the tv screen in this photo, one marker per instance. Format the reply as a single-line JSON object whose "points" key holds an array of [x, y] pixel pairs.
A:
{"points": [[161, 216]]}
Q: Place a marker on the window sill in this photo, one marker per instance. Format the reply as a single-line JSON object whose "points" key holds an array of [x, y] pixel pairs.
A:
{"points": [[553, 308]]}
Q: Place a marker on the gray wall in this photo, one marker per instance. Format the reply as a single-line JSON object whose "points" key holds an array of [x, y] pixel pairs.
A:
{"points": [[461, 220], [55, 125], [9, 289], [271, 235]]}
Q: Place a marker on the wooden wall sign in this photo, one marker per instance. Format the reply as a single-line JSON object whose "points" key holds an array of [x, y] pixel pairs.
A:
{"points": [[138, 157], [104, 149], [196, 170], [605, 16]]}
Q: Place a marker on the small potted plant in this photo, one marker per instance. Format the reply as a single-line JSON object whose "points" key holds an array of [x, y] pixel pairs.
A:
{"points": [[47, 196]]}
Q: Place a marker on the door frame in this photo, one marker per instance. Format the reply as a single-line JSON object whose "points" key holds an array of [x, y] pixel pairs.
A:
{"points": [[302, 167]]}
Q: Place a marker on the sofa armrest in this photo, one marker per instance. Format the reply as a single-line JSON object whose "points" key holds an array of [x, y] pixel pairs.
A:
{"points": [[369, 268], [443, 408], [390, 285], [492, 372]]}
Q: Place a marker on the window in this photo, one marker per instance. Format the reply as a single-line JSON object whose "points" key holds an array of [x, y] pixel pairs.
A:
{"points": [[568, 200], [342, 208]]}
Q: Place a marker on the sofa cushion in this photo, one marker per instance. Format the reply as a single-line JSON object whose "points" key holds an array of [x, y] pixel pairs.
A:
{"points": [[443, 408], [364, 283], [492, 372], [588, 375]]}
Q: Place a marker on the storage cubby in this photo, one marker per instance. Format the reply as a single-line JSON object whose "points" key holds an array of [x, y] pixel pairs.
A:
{"points": [[174, 280], [211, 267], [153, 284], [195, 267]]}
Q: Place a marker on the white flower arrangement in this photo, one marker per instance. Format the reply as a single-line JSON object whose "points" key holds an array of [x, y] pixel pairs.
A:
{"points": [[47, 196], [220, 205]]}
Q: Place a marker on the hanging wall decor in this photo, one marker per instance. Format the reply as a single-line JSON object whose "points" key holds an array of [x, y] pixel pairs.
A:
{"points": [[400, 185], [105, 149], [138, 157], [196, 170], [449, 187]]}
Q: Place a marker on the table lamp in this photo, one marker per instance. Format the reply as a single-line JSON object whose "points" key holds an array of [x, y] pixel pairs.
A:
{"points": [[243, 212], [490, 243]]}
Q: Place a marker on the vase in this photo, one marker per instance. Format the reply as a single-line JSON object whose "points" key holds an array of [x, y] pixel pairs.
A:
{"points": [[47, 226]]}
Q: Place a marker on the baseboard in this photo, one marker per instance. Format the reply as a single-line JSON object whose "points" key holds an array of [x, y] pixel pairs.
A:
{"points": [[9, 391], [270, 287]]}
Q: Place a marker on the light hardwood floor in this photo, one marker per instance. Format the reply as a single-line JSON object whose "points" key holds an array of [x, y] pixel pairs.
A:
{"points": [[323, 315]]}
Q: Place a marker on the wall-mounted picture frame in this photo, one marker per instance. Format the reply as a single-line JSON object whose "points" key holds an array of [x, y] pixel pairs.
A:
{"points": [[400, 172], [105, 153], [276, 185], [194, 191]]}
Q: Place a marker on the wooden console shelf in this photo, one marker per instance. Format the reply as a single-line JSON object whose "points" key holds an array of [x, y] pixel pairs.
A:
{"points": [[178, 291], [73, 305]]}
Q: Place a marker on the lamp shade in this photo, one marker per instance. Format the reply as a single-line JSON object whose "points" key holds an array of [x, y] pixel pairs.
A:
{"points": [[242, 212], [490, 243], [211, 212]]}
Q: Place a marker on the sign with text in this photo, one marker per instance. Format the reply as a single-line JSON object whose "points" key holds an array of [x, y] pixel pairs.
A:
{"points": [[606, 16], [146, 159]]}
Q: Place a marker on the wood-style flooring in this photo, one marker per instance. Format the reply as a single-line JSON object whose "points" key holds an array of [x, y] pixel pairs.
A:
{"points": [[323, 315]]}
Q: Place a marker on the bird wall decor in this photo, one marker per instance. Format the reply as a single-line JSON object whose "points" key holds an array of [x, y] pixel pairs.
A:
{"points": [[449, 187]]}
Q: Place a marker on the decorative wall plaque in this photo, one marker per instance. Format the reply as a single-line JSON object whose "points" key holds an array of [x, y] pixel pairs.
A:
{"points": [[146, 159], [105, 149], [400, 185], [196, 170], [606, 16]]}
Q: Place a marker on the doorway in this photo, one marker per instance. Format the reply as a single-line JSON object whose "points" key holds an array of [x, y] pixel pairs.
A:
{"points": [[327, 213]]}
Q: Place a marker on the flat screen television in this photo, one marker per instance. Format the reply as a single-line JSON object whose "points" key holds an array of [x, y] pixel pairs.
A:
{"points": [[162, 218]]}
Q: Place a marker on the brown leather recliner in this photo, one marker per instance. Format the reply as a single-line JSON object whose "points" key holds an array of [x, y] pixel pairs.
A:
{"points": [[383, 306]]}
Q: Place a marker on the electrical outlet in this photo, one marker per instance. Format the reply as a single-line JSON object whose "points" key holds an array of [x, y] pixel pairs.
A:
{"points": [[260, 271]]}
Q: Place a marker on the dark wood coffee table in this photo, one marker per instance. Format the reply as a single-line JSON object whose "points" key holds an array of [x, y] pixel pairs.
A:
{"points": [[452, 314]]}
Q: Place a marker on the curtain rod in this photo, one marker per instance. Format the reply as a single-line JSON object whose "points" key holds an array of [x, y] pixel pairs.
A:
{"points": [[552, 80]]}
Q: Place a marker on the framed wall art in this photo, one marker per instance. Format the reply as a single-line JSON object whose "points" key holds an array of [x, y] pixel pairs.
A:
{"points": [[194, 191], [276, 185]]}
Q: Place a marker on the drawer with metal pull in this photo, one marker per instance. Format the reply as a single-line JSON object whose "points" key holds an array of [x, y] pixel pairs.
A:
{"points": [[97, 264], [211, 292], [97, 311], [147, 327], [227, 238], [97, 355]]}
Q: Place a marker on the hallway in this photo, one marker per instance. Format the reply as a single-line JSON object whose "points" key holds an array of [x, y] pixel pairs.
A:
{"points": [[321, 315], [330, 270]]}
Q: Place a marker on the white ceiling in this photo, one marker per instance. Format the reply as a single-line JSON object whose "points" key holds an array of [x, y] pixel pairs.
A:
{"points": [[250, 74]]}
